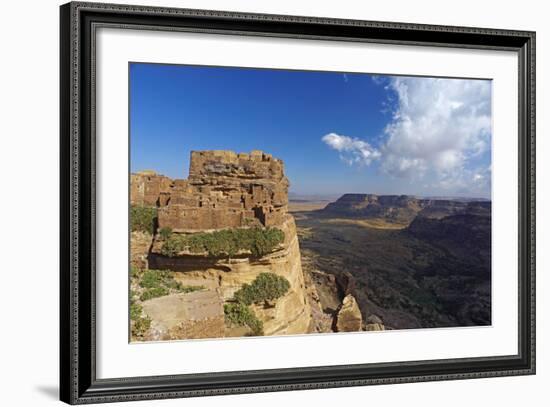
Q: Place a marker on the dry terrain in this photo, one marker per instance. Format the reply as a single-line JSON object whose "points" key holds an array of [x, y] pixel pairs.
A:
{"points": [[400, 274]]}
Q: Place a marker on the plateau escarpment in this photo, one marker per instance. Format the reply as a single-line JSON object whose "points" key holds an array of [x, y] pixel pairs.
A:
{"points": [[400, 209], [220, 233]]}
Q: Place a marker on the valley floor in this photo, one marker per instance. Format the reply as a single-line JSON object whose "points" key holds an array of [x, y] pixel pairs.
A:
{"points": [[406, 281]]}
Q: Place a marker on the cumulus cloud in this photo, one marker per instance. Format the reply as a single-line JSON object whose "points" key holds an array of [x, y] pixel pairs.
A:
{"points": [[438, 125], [438, 130], [352, 150]]}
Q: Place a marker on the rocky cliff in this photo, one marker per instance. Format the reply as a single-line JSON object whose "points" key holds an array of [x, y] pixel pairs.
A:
{"points": [[226, 195]]}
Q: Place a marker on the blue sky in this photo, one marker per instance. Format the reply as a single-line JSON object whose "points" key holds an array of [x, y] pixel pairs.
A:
{"points": [[336, 132]]}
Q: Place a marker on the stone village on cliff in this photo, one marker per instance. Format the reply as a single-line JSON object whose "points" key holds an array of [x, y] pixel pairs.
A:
{"points": [[226, 190]]}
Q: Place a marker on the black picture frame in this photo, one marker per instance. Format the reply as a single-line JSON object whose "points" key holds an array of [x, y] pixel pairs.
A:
{"points": [[78, 382]]}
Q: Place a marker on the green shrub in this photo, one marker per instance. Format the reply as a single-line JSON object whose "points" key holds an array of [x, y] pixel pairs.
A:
{"points": [[165, 233], [143, 219], [153, 278], [134, 272], [240, 314], [140, 326], [227, 242], [135, 310], [264, 241], [173, 245], [266, 287], [153, 293], [160, 282], [158, 278]]}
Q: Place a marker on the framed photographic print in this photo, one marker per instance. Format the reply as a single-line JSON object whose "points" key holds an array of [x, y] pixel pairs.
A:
{"points": [[257, 203]]}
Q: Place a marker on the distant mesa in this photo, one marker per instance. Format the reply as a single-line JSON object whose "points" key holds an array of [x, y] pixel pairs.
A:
{"points": [[401, 209]]}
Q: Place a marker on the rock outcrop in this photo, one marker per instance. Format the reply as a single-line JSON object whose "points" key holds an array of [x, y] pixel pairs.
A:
{"points": [[191, 316], [224, 190], [348, 318]]}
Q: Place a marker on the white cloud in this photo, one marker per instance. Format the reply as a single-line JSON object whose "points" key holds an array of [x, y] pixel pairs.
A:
{"points": [[438, 130], [352, 150], [475, 181], [438, 125]]}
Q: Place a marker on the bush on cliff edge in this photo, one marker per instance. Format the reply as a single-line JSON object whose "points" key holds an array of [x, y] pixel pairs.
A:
{"points": [[143, 219], [266, 287], [240, 314]]}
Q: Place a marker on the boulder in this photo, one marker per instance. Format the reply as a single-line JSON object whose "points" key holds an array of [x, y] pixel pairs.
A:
{"points": [[348, 317]]}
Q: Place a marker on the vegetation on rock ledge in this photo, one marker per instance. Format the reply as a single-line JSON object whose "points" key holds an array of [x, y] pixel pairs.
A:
{"points": [[158, 283], [165, 233], [228, 242], [143, 219], [266, 287], [139, 323], [239, 314], [148, 284]]}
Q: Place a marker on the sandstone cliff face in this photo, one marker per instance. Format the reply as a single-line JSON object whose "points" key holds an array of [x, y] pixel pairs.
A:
{"points": [[291, 314], [224, 190]]}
